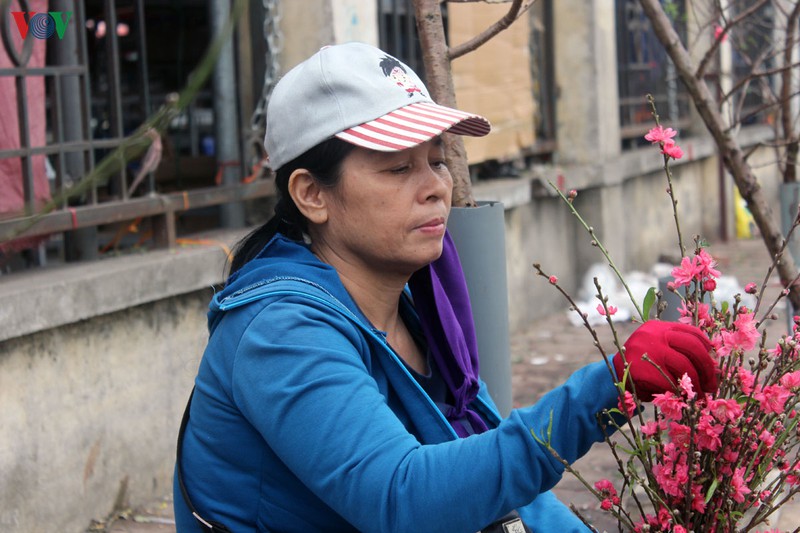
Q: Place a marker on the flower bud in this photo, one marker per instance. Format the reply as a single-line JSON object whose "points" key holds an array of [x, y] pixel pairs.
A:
{"points": [[709, 285], [553, 280], [750, 288]]}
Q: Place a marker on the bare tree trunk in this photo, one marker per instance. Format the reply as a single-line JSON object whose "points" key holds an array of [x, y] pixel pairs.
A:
{"points": [[439, 80], [792, 140], [728, 147]]}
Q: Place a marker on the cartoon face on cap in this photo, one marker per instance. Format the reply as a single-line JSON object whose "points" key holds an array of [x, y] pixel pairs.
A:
{"points": [[394, 70]]}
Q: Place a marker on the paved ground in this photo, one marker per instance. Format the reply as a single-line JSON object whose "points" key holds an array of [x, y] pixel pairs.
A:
{"points": [[543, 357]]}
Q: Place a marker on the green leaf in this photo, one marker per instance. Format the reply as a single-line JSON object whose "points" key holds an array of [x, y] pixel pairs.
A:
{"points": [[724, 307], [711, 490], [649, 300]]}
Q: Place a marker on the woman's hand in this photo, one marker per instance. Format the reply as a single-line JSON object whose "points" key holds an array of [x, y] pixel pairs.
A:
{"points": [[676, 349]]}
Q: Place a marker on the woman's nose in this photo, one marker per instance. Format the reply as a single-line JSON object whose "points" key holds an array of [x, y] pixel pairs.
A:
{"points": [[437, 184]]}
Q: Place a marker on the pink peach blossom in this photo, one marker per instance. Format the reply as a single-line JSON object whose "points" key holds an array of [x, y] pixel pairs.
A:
{"points": [[651, 427], [671, 405], [686, 272], [773, 398], [660, 135], [611, 310], [708, 434], [681, 434], [685, 384], [738, 486], [791, 380], [628, 406], [707, 264], [704, 319], [725, 409], [747, 381], [672, 150]]}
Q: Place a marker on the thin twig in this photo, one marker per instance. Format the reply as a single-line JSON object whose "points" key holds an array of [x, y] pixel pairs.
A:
{"points": [[668, 172], [710, 53], [596, 242], [518, 7]]}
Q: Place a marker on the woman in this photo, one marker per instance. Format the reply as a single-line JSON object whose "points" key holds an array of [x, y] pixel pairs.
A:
{"points": [[339, 389]]}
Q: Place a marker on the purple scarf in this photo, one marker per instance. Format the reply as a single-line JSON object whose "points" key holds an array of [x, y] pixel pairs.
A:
{"points": [[442, 302]]}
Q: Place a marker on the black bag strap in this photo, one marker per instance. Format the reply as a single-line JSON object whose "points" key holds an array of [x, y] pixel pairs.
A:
{"points": [[208, 526]]}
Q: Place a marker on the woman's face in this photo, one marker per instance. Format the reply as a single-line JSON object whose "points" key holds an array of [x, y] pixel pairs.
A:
{"points": [[389, 210]]}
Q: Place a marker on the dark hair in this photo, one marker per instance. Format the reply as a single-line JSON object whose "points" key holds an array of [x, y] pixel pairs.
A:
{"points": [[324, 162], [388, 63]]}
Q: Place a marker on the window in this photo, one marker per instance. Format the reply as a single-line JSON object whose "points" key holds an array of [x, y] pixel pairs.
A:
{"points": [[753, 50], [644, 68], [397, 29], [542, 76]]}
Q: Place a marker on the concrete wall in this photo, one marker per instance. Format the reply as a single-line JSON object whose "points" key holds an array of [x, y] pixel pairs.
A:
{"points": [[90, 413], [631, 215], [96, 363]]}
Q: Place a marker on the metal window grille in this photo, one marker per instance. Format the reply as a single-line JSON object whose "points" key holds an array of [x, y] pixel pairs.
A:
{"points": [[644, 68], [543, 76], [753, 50], [397, 32], [103, 75]]}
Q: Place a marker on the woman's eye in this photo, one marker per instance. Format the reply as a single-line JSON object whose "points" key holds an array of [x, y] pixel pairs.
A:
{"points": [[402, 169]]}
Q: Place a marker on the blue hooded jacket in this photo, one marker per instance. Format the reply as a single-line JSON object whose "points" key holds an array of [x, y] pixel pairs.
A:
{"points": [[305, 419]]}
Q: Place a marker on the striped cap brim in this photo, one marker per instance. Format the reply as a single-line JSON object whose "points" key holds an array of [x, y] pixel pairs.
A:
{"points": [[412, 125]]}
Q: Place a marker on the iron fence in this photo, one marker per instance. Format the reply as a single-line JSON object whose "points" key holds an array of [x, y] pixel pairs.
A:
{"points": [[77, 78]]}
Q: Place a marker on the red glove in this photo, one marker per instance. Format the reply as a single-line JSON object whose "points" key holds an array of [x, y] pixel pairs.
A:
{"points": [[677, 349]]}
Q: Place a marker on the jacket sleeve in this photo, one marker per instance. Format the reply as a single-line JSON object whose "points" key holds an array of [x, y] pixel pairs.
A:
{"points": [[300, 378], [546, 514]]}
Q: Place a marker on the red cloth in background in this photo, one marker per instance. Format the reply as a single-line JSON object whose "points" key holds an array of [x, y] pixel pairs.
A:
{"points": [[12, 198]]}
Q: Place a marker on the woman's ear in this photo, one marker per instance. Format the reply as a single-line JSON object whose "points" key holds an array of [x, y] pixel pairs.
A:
{"points": [[307, 195]]}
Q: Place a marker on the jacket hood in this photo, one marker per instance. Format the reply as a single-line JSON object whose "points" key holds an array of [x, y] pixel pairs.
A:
{"points": [[282, 259]]}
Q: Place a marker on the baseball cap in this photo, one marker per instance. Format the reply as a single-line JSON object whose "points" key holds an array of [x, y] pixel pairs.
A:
{"points": [[362, 95]]}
